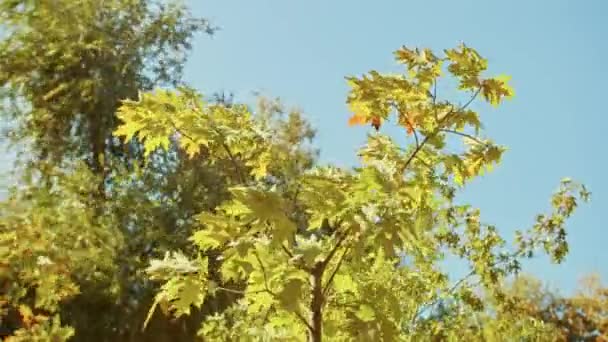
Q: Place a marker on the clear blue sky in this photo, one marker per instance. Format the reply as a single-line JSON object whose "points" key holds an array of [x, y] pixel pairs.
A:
{"points": [[555, 127]]}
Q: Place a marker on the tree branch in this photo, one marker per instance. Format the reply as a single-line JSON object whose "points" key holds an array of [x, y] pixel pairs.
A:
{"points": [[303, 320], [416, 137], [331, 254], [462, 134], [274, 295], [223, 143], [238, 291], [471, 99], [178, 130], [433, 134], [335, 271], [435, 90], [287, 251], [257, 257], [453, 288], [291, 256]]}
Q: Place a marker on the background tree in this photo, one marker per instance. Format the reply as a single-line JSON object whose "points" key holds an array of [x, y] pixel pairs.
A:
{"points": [[335, 269], [582, 316], [65, 67]]}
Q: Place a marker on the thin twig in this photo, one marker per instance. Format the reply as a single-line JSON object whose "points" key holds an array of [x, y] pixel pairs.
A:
{"points": [[231, 290], [257, 257], [335, 271], [433, 134], [178, 130], [471, 99], [231, 156], [425, 307], [303, 319], [416, 137], [287, 251], [435, 99], [434, 90], [274, 295], [331, 254], [238, 291], [462, 134], [291, 256], [453, 288], [295, 195]]}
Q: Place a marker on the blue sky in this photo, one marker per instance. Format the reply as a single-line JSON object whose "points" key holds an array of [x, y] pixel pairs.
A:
{"points": [[554, 127]]}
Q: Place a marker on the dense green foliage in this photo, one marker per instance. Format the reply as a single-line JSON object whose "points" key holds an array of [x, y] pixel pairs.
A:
{"points": [[334, 272], [144, 204]]}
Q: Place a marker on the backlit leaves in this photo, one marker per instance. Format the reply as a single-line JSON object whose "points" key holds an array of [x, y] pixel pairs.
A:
{"points": [[363, 251], [186, 284], [495, 89]]}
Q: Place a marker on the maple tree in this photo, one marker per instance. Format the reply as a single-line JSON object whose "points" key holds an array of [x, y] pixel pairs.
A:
{"points": [[259, 241], [348, 254]]}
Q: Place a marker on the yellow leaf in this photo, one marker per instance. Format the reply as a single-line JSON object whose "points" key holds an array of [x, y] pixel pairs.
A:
{"points": [[128, 130]]}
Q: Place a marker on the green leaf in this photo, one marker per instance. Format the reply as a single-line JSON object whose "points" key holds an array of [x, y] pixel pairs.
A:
{"points": [[365, 313], [291, 293], [344, 283]]}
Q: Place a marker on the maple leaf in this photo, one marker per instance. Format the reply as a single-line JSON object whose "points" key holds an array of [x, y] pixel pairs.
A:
{"points": [[357, 120], [376, 122], [408, 121], [409, 126]]}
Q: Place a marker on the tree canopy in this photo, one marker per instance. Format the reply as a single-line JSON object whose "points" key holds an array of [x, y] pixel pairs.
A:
{"points": [[336, 271], [146, 211]]}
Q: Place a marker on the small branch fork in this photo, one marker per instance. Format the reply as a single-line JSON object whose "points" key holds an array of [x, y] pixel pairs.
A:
{"points": [[420, 145], [453, 288], [274, 295]]}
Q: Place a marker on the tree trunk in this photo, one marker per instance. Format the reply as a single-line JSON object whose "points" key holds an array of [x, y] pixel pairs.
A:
{"points": [[316, 304]]}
